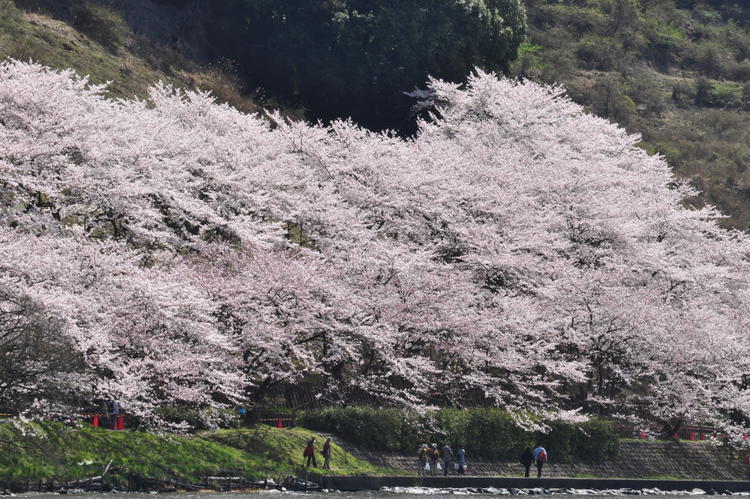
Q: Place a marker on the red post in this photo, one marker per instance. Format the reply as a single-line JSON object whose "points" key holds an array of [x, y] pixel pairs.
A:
{"points": [[95, 421], [692, 436], [120, 422], [279, 424]]}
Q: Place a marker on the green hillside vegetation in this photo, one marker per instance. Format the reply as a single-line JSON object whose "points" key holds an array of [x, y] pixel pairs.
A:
{"points": [[490, 433], [94, 39], [44, 451], [675, 71], [357, 57]]}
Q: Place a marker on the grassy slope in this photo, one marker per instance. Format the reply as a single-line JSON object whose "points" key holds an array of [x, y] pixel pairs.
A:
{"points": [[55, 451], [131, 63], [641, 63]]}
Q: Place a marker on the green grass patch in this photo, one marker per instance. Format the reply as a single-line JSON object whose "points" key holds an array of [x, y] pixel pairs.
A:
{"points": [[271, 447], [54, 451]]}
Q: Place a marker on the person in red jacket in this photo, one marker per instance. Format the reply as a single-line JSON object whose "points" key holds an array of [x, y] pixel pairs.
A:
{"points": [[310, 453]]}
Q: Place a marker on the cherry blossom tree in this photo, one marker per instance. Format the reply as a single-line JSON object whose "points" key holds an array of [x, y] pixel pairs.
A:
{"points": [[516, 252]]}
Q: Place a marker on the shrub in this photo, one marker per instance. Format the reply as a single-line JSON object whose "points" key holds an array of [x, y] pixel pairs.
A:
{"points": [[375, 429], [598, 442], [485, 432], [101, 24], [684, 92], [723, 94], [529, 63], [599, 52]]}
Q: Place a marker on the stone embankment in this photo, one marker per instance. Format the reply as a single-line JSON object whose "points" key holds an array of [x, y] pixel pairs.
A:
{"points": [[636, 459]]}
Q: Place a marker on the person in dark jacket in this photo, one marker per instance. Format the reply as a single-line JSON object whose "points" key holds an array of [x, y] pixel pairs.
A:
{"points": [[527, 457], [310, 453], [447, 459], [461, 458], [327, 454]]}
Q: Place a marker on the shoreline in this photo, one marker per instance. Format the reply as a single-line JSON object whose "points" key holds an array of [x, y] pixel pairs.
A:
{"points": [[357, 483]]}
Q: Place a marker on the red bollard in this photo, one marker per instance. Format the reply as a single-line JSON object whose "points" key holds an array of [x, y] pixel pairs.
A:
{"points": [[279, 424], [120, 422], [95, 421]]}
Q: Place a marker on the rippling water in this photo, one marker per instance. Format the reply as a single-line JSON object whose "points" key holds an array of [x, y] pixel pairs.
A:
{"points": [[412, 492]]}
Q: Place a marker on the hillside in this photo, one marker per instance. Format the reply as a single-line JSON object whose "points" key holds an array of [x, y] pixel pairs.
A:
{"points": [[675, 71], [114, 45]]}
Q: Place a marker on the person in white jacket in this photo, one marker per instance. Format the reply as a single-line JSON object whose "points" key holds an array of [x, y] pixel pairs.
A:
{"points": [[540, 457]]}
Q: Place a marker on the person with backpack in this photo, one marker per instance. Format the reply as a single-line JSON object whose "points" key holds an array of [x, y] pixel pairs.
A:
{"points": [[527, 457], [422, 456], [434, 458], [540, 456]]}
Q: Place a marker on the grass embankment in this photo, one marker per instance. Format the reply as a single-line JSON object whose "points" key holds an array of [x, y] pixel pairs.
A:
{"points": [[53, 451]]}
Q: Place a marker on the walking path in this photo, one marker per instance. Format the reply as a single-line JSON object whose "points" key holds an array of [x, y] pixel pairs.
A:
{"points": [[636, 459]]}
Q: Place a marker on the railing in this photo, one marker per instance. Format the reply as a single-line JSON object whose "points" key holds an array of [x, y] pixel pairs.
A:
{"points": [[95, 419], [685, 432]]}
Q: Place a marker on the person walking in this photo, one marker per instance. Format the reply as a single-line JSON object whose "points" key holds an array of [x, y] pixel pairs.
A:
{"points": [[540, 456], [113, 413], [422, 457], [434, 458], [327, 454], [447, 459], [527, 457], [461, 459], [310, 453]]}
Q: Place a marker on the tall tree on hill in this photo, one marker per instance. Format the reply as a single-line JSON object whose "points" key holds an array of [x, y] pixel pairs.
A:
{"points": [[355, 57]]}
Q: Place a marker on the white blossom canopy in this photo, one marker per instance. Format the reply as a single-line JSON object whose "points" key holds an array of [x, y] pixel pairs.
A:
{"points": [[517, 252]]}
